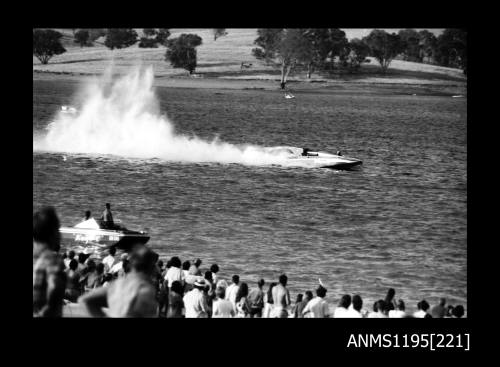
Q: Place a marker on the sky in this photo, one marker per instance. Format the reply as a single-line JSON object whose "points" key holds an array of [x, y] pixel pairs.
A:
{"points": [[351, 33]]}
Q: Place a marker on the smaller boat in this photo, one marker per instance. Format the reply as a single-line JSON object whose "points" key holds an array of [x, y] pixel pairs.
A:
{"points": [[289, 95], [90, 232]]}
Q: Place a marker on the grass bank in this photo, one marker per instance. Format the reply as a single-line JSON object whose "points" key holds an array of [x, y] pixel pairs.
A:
{"points": [[219, 66]]}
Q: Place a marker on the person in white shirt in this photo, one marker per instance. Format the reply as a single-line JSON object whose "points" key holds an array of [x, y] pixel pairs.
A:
{"points": [[222, 308], [378, 310], [422, 306], [354, 310], [317, 307], [119, 265], [174, 272], [195, 302], [232, 290], [399, 312], [109, 260], [342, 309]]}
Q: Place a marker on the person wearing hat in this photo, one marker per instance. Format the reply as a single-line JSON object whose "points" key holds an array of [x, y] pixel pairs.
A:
{"points": [[195, 302]]}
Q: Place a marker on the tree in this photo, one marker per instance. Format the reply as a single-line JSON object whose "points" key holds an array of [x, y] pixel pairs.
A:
{"points": [[120, 38], [181, 51], [149, 40], [219, 32], [46, 44], [278, 46], [321, 44], [410, 43], [428, 44], [163, 34], [358, 51], [82, 37], [295, 48], [451, 48], [383, 46], [268, 40], [337, 44], [152, 37], [150, 32], [309, 47], [282, 48], [95, 33]]}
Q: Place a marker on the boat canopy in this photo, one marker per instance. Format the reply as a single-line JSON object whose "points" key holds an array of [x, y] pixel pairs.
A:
{"points": [[88, 224]]}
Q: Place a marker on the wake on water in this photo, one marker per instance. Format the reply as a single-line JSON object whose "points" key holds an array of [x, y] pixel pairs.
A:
{"points": [[124, 119]]}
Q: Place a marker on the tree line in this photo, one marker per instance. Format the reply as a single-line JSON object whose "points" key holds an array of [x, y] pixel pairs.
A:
{"points": [[181, 51], [300, 49], [321, 48]]}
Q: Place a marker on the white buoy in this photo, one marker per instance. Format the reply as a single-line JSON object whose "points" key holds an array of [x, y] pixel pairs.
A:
{"points": [[64, 158]]}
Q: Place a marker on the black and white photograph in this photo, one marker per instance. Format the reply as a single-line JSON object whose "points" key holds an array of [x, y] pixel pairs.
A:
{"points": [[250, 173]]}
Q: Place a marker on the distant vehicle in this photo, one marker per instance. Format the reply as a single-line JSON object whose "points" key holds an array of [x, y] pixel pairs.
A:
{"points": [[91, 232]]}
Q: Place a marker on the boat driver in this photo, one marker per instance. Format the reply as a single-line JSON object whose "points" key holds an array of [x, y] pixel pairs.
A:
{"points": [[305, 153], [107, 218]]}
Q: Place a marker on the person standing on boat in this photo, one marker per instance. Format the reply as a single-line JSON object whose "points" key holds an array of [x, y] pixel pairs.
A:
{"points": [[87, 215], [107, 217]]}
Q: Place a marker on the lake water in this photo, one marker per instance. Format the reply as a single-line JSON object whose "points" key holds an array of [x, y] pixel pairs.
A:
{"points": [[400, 221]]}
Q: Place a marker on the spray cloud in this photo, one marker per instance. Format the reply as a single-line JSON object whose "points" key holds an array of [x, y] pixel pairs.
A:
{"points": [[123, 118]]}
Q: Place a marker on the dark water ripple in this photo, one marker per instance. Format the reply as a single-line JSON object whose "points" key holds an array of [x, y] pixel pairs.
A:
{"points": [[400, 221]]}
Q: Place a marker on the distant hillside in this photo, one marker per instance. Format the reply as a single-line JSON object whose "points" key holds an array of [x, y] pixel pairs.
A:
{"points": [[221, 58]]}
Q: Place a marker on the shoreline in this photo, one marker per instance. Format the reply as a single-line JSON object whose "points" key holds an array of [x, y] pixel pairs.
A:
{"points": [[367, 85]]}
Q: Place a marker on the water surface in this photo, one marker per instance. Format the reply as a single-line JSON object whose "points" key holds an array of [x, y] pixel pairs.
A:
{"points": [[400, 221]]}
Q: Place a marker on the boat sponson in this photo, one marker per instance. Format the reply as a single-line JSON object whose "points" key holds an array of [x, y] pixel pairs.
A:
{"points": [[346, 165]]}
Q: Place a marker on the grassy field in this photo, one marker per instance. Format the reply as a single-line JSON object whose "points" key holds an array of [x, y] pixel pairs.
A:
{"points": [[222, 59]]}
